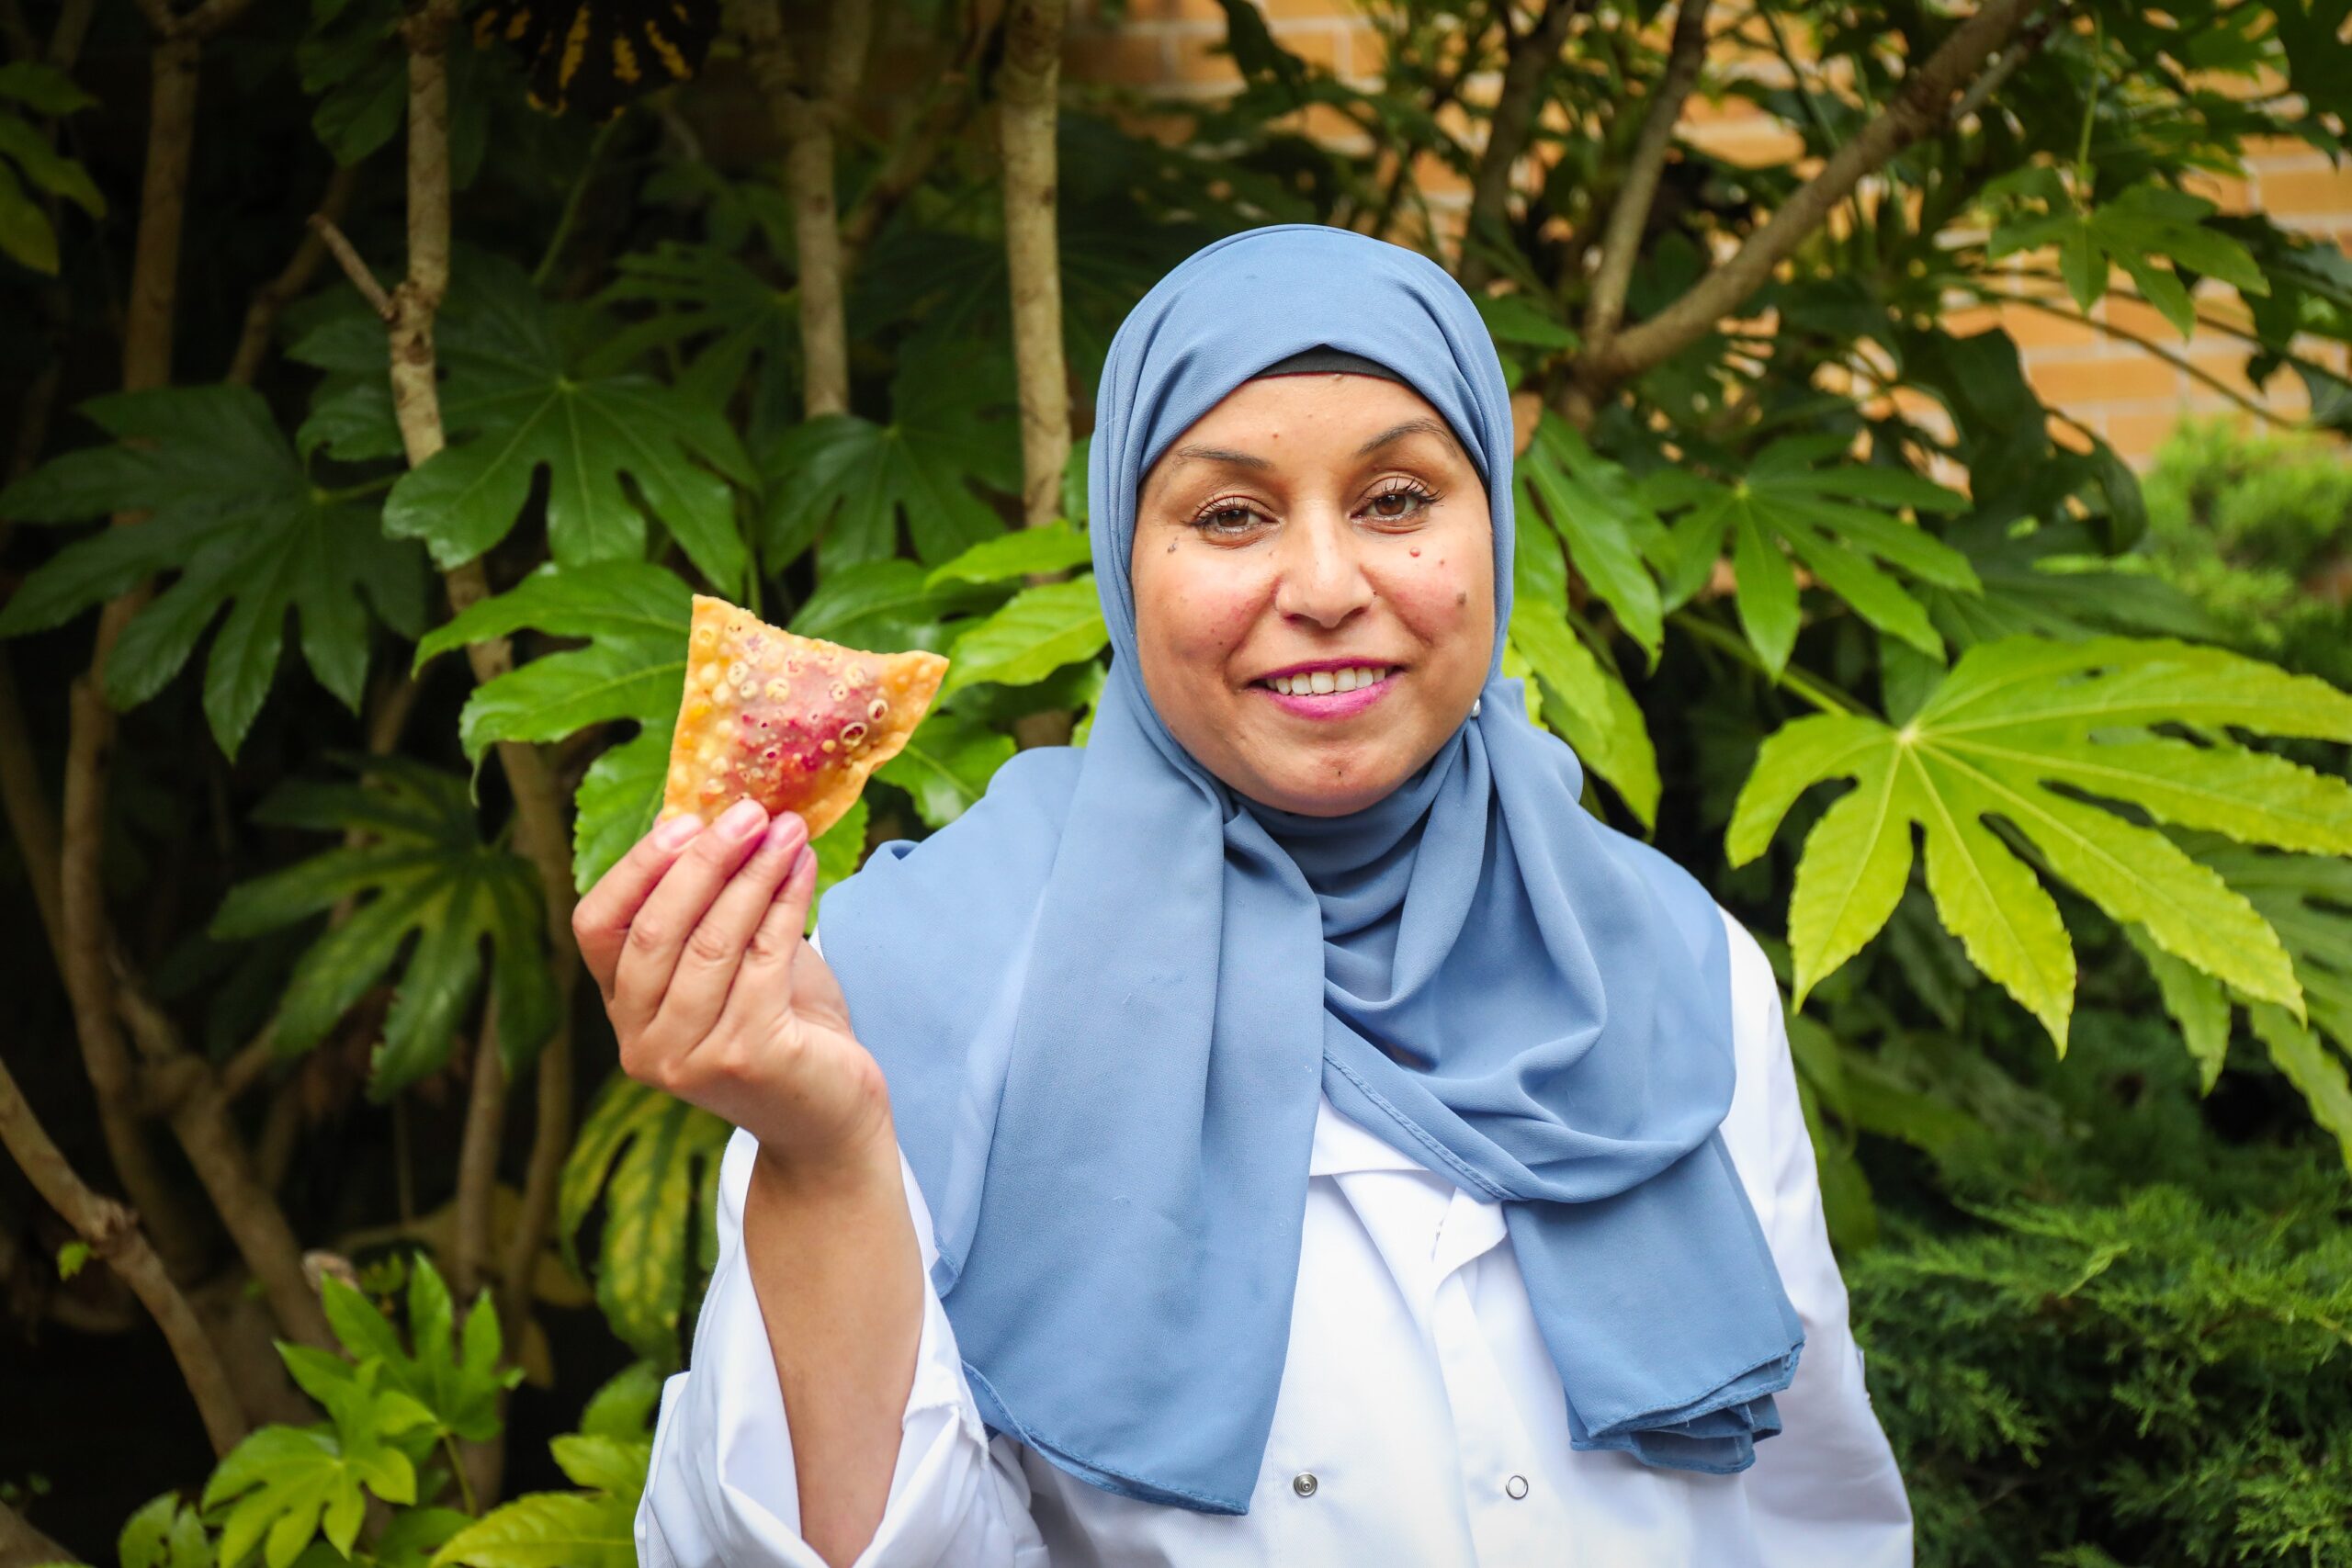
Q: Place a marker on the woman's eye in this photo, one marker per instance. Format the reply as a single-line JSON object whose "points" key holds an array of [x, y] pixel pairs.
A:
{"points": [[1227, 520], [1409, 503]]}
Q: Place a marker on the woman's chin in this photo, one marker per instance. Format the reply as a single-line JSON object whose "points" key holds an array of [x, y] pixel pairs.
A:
{"points": [[1324, 785]]}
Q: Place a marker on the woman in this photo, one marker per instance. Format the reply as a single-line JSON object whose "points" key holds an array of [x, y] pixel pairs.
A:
{"points": [[1323, 1140]]}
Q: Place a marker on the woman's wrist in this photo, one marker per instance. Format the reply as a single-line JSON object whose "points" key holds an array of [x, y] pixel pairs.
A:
{"points": [[862, 1166]]}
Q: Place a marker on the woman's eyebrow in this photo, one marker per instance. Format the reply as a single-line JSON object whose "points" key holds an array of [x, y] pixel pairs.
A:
{"points": [[1249, 460]]}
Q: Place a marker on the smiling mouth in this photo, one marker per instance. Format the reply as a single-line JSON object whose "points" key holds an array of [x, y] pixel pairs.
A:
{"points": [[1326, 683]]}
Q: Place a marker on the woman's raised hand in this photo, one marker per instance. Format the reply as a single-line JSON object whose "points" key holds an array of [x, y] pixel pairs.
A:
{"points": [[695, 939]]}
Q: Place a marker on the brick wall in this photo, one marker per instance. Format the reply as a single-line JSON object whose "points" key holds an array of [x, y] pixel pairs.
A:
{"points": [[1170, 52]]}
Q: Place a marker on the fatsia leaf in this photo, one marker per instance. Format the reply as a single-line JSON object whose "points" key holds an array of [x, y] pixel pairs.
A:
{"points": [[604, 1463], [625, 1405], [1021, 553], [164, 1533], [1037, 631], [886, 605], [521, 402], [549, 1530], [230, 511], [946, 765], [1591, 504], [843, 481], [634, 617], [2308, 900], [1569, 689], [2132, 230], [655, 1161], [418, 868], [2010, 721], [1835, 519]]}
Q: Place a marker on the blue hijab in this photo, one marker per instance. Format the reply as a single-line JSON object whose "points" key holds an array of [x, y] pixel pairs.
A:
{"points": [[1108, 997]]}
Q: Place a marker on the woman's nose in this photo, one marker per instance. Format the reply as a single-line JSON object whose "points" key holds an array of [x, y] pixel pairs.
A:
{"points": [[1323, 577]]}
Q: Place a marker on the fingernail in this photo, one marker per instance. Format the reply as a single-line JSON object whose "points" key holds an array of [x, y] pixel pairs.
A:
{"points": [[676, 832], [741, 819], [784, 830]]}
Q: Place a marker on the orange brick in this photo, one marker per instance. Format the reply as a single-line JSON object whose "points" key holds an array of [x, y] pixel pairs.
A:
{"points": [[2289, 192], [2263, 151], [2228, 192], [2031, 328], [1750, 145], [1327, 124], [1176, 11], [2075, 383], [1436, 177], [1967, 321], [1280, 11], [1323, 44], [2138, 317], [1200, 57], [1121, 59], [2069, 434]]}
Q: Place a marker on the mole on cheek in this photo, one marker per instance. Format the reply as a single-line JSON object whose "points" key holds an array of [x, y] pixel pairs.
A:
{"points": [[1461, 599]]}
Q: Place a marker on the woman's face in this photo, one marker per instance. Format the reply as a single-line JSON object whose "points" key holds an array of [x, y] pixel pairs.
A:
{"points": [[1314, 593]]}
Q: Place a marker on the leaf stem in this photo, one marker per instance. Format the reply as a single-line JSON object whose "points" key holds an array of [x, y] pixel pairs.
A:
{"points": [[571, 214], [1827, 698], [457, 1472]]}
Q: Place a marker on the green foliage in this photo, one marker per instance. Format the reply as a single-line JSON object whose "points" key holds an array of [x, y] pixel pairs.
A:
{"points": [[414, 863], [392, 1407], [848, 481], [2166, 1381], [2011, 719], [233, 512], [28, 159], [528, 391], [654, 1163]]}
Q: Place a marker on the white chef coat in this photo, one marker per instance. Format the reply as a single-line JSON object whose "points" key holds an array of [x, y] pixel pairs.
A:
{"points": [[1419, 1420]]}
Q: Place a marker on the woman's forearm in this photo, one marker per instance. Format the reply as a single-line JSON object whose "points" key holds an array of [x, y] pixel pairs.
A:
{"points": [[838, 1273]]}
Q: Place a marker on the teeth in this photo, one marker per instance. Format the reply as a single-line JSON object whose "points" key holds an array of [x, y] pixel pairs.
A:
{"points": [[1325, 682]]}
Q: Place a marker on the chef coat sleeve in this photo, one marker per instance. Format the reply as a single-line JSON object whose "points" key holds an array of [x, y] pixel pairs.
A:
{"points": [[721, 1488], [1825, 1488]]}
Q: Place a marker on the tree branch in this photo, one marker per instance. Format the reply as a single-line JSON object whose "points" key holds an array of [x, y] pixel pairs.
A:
{"points": [[1923, 107], [88, 931], [807, 114], [270, 300], [113, 1234], [1629, 215], [1509, 130]]}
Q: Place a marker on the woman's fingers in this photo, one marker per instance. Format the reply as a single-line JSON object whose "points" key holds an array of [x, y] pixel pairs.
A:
{"points": [[707, 966], [763, 992], [600, 921], [658, 933]]}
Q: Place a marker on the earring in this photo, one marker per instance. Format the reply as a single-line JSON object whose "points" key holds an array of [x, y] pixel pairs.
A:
{"points": [[1475, 704]]}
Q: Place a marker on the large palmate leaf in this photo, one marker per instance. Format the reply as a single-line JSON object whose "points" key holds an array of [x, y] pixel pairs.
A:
{"points": [[1035, 633], [745, 325], [889, 604], [518, 400], [843, 482], [655, 1161], [453, 1372], [1833, 519], [234, 514], [634, 615], [946, 765], [2308, 901], [1591, 504], [284, 1485], [1569, 688], [2132, 230], [415, 862], [2010, 721]]}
